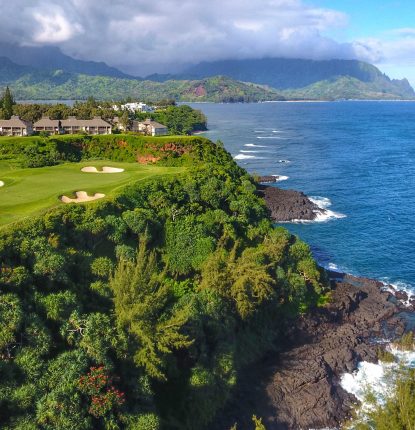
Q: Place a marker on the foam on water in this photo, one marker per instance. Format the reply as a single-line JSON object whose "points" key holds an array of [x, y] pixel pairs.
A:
{"points": [[394, 286], [279, 178], [378, 379], [272, 137], [321, 202], [249, 145], [244, 157], [403, 286], [324, 214], [368, 376], [334, 267]]}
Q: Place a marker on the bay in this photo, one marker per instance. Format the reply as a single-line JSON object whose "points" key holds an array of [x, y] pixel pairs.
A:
{"points": [[358, 156]]}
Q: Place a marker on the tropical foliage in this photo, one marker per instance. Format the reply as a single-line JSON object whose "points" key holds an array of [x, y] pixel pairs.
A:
{"points": [[139, 311]]}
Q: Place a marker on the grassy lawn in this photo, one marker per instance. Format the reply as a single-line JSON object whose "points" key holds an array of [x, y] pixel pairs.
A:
{"points": [[30, 191]]}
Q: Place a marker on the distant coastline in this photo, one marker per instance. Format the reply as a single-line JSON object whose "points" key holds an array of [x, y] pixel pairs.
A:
{"points": [[71, 102]]}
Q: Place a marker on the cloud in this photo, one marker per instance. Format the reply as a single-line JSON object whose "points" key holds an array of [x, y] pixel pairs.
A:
{"points": [[138, 34], [54, 27], [395, 46], [141, 36]]}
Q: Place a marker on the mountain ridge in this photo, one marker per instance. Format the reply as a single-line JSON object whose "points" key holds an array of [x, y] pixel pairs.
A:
{"points": [[298, 80], [28, 83], [51, 58], [285, 74]]}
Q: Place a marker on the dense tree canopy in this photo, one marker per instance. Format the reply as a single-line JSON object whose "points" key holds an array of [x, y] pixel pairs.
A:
{"points": [[138, 311]]}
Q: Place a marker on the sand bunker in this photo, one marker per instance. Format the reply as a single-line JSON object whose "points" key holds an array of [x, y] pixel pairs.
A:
{"points": [[81, 197], [105, 169], [1, 184]]}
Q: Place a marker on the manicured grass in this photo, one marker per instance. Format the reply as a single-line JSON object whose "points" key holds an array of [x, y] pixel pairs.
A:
{"points": [[30, 191]]}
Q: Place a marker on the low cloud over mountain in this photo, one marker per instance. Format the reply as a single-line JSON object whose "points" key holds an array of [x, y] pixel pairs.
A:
{"points": [[142, 37]]}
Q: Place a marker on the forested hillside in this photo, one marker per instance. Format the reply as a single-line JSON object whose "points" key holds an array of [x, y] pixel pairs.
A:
{"points": [[139, 311], [28, 83], [306, 79]]}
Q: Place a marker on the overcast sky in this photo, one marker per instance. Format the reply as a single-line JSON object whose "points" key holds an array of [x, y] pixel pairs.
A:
{"points": [[141, 36]]}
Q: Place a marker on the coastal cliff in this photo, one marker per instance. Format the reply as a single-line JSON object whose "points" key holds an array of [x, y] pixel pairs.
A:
{"points": [[298, 387]]}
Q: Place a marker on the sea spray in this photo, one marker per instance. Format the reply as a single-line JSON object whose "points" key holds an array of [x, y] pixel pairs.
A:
{"points": [[373, 383]]}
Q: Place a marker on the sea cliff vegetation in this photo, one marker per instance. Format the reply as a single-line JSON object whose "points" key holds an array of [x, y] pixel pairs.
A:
{"points": [[138, 311]]}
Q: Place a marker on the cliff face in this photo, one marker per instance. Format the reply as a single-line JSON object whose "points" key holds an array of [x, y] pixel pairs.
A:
{"points": [[299, 388]]}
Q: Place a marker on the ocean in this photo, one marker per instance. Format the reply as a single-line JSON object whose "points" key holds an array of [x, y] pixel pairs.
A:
{"points": [[355, 158]]}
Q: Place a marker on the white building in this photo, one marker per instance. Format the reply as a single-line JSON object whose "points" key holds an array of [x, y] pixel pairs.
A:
{"points": [[134, 107]]}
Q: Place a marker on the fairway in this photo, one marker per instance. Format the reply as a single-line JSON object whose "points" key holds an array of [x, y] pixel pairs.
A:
{"points": [[27, 192]]}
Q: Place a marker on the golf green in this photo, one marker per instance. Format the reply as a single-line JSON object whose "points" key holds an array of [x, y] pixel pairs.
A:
{"points": [[30, 191]]}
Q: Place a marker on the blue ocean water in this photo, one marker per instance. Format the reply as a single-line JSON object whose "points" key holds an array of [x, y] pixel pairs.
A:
{"points": [[359, 155]]}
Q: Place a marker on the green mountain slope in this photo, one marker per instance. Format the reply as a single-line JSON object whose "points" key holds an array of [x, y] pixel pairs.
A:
{"points": [[285, 73], [30, 83], [356, 80], [346, 87], [316, 79]]}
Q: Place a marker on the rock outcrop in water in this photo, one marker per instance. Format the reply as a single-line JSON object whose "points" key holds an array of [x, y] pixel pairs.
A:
{"points": [[270, 179], [299, 388], [288, 205]]}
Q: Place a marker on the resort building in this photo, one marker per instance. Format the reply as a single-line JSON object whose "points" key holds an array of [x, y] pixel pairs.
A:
{"points": [[90, 126], [72, 125], [134, 107], [150, 128], [116, 122], [52, 126], [15, 127]]}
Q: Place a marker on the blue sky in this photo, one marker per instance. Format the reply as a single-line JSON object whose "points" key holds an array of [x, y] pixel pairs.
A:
{"points": [[384, 21], [370, 18]]}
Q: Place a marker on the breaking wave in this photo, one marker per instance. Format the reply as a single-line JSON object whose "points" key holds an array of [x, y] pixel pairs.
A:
{"points": [[252, 145], [279, 178], [244, 157], [272, 137]]}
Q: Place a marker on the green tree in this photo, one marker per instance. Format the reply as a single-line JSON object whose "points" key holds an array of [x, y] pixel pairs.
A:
{"points": [[11, 317], [142, 309], [8, 103], [125, 120], [245, 280], [62, 406]]}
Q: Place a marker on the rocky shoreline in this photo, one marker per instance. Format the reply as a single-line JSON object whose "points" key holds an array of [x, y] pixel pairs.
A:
{"points": [[299, 387], [287, 205]]}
